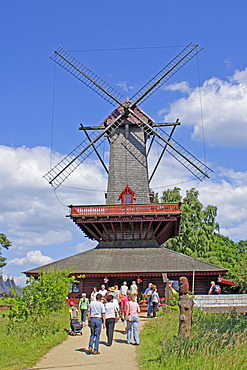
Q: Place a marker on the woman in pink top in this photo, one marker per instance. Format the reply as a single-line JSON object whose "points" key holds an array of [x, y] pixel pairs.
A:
{"points": [[124, 301], [133, 310]]}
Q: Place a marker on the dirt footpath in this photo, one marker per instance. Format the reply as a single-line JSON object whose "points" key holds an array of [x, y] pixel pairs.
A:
{"points": [[72, 353]]}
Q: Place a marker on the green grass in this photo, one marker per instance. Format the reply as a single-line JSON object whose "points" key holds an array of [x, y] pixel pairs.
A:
{"points": [[24, 345], [217, 342]]}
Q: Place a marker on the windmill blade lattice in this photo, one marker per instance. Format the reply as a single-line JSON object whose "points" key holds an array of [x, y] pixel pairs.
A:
{"points": [[63, 169], [183, 156], [194, 165], [85, 75], [58, 174], [165, 73]]}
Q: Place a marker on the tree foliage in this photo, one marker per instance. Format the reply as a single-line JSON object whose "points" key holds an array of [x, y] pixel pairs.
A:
{"points": [[200, 236], [170, 196], [41, 297], [240, 273], [4, 243], [199, 224]]}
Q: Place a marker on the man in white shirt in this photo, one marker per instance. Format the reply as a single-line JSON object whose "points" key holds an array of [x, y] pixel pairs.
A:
{"points": [[96, 315], [124, 288], [134, 290], [102, 290]]}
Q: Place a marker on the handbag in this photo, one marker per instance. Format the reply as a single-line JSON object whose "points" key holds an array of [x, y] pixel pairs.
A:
{"points": [[129, 317]]}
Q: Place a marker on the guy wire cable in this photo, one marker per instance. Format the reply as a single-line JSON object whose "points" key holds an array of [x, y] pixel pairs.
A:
{"points": [[200, 96]]}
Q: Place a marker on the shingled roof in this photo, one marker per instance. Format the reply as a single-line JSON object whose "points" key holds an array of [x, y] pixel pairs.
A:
{"points": [[126, 260]]}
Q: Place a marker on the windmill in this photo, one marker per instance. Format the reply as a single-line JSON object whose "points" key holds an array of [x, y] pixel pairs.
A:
{"points": [[127, 129]]}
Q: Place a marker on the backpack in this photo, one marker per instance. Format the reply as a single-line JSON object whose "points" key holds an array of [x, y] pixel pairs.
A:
{"points": [[217, 289]]}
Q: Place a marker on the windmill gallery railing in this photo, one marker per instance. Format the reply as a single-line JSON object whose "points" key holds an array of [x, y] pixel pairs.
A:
{"points": [[126, 209]]}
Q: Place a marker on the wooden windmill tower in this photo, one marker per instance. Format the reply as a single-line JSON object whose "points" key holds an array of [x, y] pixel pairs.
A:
{"points": [[129, 218]]}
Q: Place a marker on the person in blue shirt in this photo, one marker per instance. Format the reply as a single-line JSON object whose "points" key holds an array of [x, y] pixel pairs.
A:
{"points": [[148, 293], [96, 317]]}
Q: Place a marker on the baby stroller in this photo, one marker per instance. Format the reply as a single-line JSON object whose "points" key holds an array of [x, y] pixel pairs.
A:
{"points": [[75, 327]]}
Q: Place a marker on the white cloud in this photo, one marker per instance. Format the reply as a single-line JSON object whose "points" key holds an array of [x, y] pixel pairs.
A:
{"points": [[231, 202], [124, 86], [180, 86], [32, 258], [84, 246], [224, 107], [27, 239], [32, 215]]}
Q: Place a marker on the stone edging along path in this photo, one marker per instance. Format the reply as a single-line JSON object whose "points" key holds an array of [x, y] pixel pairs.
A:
{"points": [[72, 353]]}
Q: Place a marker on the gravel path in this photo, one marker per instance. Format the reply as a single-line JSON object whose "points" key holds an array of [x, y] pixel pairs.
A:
{"points": [[72, 353]]}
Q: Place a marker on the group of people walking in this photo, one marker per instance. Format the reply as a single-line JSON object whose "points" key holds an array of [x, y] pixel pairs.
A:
{"points": [[106, 307], [152, 296]]}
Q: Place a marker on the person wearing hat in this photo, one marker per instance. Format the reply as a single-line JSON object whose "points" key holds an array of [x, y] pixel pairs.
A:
{"points": [[83, 307], [111, 292], [73, 313]]}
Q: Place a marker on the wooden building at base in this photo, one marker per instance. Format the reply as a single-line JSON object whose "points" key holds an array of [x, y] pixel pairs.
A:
{"points": [[156, 264]]}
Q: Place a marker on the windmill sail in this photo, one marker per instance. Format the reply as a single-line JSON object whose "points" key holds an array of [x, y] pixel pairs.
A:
{"points": [[58, 174], [188, 160], [125, 114], [85, 75], [166, 73], [194, 165]]}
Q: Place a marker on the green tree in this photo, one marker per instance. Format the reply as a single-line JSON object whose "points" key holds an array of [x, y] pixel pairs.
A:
{"points": [[200, 236], [239, 273], [4, 243], [41, 296], [199, 225], [224, 252], [170, 196]]}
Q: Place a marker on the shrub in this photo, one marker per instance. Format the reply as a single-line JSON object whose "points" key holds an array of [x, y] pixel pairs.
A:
{"points": [[41, 298]]}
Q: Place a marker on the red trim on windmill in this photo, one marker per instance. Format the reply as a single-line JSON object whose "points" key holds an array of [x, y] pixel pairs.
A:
{"points": [[127, 196]]}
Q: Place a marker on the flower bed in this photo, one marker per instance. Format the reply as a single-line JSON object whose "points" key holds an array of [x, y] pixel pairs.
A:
{"points": [[5, 306]]}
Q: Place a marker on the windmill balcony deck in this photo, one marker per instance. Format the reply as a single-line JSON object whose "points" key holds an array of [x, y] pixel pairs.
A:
{"points": [[129, 224], [126, 209]]}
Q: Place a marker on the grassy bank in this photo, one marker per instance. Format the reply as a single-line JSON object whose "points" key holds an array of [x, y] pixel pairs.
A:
{"points": [[24, 345], [216, 342]]}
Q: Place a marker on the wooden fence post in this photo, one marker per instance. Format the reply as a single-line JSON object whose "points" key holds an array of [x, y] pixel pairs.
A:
{"points": [[185, 306]]}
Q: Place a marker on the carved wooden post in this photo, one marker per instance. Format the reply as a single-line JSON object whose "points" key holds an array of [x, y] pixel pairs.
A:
{"points": [[185, 305], [167, 293]]}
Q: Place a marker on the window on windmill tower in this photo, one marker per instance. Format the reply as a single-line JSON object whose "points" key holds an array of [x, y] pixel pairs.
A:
{"points": [[127, 196]]}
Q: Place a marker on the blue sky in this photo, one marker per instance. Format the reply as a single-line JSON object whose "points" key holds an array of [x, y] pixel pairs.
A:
{"points": [[126, 44]]}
